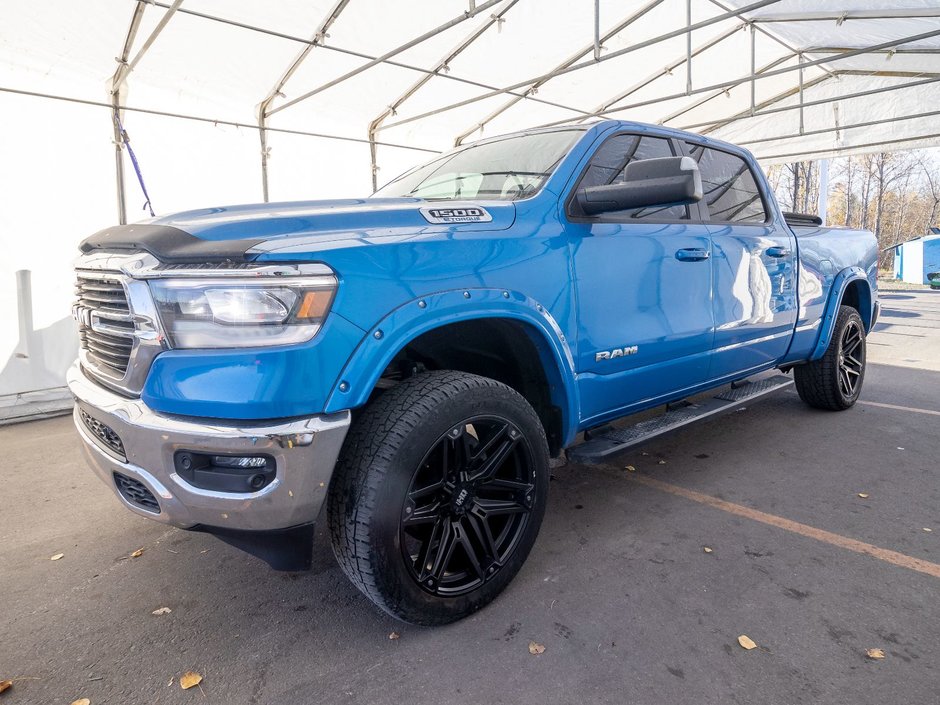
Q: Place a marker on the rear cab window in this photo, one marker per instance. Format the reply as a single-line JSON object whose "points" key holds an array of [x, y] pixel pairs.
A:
{"points": [[731, 191]]}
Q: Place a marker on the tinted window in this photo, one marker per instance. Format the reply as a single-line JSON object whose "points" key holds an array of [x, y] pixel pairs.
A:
{"points": [[608, 164], [731, 192]]}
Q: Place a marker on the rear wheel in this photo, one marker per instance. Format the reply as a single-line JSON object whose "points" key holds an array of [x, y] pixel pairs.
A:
{"points": [[439, 495], [835, 380]]}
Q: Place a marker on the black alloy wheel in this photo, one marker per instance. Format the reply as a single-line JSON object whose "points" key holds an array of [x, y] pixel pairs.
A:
{"points": [[467, 506]]}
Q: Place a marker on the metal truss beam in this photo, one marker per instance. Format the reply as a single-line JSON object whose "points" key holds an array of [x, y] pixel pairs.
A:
{"points": [[585, 64], [442, 65], [210, 121], [666, 71], [765, 109], [314, 42], [868, 146], [357, 54], [712, 96], [842, 128], [767, 74], [463, 17], [577, 56], [840, 17]]}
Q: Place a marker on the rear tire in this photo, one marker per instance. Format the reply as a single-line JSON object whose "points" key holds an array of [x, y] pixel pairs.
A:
{"points": [[834, 381], [438, 495]]}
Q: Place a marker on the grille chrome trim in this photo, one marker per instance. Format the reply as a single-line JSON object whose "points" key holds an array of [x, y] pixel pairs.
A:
{"points": [[119, 331]]}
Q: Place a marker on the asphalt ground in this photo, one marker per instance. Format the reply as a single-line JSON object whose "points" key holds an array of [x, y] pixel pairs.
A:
{"points": [[619, 588]]}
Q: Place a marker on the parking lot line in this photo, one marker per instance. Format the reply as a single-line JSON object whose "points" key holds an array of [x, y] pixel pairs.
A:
{"points": [[884, 554], [900, 408]]}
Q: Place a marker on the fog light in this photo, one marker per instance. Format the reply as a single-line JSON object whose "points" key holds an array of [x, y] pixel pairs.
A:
{"points": [[225, 473], [239, 461]]}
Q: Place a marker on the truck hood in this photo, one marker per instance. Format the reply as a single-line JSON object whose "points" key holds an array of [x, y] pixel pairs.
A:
{"points": [[229, 232], [336, 219]]}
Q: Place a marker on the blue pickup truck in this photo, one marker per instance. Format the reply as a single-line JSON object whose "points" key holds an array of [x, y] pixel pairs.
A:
{"points": [[409, 363]]}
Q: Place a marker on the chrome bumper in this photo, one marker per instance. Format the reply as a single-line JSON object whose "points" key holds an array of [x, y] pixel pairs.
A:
{"points": [[304, 450]]}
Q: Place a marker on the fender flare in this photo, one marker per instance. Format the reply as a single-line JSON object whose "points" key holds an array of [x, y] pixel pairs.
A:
{"points": [[836, 294], [420, 315]]}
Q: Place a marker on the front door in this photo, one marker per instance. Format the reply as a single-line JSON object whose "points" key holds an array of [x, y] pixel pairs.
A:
{"points": [[643, 280]]}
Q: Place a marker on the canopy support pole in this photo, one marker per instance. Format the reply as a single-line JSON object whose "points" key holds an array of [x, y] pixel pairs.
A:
{"points": [[753, 67], [800, 60], [823, 205], [597, 30], [319, 36], [688, 47], [118, 84]]}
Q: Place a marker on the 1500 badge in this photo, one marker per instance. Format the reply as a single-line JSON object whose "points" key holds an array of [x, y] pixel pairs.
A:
{"points": [[616, 352], [466, 214]]}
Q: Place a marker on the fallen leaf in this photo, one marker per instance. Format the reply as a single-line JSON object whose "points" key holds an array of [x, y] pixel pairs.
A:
{"points": [[630, 468], [927, 529], [394, 635], [138, 553], [56, 557], [662, 462], [190, 679], [875, 654], [900, 448], [746, 642], [706, 549], [535, 648], [5, 685], [81, 701], [161, 610], [863, 495]]}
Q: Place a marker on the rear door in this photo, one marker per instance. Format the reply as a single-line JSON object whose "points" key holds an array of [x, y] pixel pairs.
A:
{"points": [[643, 280], [753, 266]]}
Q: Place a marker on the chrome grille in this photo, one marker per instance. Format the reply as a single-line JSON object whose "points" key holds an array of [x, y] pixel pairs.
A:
{"points": [[105, 324]]}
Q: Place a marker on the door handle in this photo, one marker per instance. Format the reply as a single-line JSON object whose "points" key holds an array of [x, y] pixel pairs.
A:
{"points": [[778, 251], [692, 254]]}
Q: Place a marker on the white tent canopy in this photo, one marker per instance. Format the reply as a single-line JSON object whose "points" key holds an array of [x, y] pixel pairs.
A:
{"points": [[237, 100]]}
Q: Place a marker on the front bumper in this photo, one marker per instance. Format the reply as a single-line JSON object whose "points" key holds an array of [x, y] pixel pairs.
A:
{"points": [[305, 452]]}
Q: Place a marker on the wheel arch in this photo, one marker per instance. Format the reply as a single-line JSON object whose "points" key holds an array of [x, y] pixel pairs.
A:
{"points": [[508, 313], [849, 288]]}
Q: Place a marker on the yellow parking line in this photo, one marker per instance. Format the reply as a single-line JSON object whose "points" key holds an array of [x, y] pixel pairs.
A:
{"points": [[900, 408], [884, 554]]}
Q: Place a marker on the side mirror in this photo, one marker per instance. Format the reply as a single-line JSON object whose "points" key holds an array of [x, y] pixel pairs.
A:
{"points": [[668, 181]]}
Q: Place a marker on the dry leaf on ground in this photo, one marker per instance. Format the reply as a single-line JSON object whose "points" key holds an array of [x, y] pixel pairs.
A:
{"points": [[927, 529], [630, 468], [535, 648], [138, 553], [190, 679], [706, 549], [56, 556], [863, 495], [161, 610], [5, 685], [662, 462], [394, 635], [875, 653], [747, 642], [81, 701]]}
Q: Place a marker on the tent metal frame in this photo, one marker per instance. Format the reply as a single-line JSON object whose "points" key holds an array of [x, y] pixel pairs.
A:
{"points": [[798, 60]]}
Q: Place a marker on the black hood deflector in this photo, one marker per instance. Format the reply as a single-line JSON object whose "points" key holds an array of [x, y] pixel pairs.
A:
{"points": [[168, 244]]}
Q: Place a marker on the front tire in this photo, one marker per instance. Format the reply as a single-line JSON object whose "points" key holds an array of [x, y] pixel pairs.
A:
{"points": [[439, 495], [834, 381]]}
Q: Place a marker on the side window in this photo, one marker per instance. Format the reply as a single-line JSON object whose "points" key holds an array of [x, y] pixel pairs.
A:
{"points": [[731, 192], [608, 164]]}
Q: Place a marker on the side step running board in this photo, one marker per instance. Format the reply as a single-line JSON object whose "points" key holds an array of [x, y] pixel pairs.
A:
{"points": [[608, 441]]}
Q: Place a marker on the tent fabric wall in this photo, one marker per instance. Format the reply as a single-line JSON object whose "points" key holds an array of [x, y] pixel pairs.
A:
{"points": [[786, 78]]}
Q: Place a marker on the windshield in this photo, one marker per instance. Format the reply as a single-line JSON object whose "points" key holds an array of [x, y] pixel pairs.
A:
{"points": [[502, 170]]}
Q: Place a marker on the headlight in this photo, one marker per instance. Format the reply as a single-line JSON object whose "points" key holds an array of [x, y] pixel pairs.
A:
{"points": [[238, 313]]}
